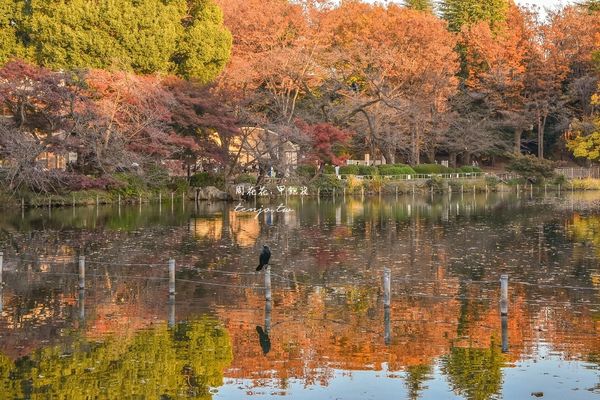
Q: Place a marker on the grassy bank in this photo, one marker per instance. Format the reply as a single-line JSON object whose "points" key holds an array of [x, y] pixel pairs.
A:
{"points": [[325, 186]]}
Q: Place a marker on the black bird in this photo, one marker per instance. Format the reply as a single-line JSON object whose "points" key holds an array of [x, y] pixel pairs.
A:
{"points": [[265, 255], [263, 338]]}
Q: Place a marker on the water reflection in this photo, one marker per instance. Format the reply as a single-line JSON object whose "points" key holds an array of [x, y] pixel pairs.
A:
{"points": [[442, 335]]}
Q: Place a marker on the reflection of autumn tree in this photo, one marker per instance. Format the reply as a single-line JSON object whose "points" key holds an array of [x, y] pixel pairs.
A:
{"points": [[183, 362], [474, 373]]}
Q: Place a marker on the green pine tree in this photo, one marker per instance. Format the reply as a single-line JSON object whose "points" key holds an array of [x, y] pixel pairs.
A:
{"points": [[421, 5], [467, 12]]}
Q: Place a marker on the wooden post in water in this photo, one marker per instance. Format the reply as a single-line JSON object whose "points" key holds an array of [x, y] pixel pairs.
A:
{"points": [[159, 197], [119, 199], [172, 197], [504, 324], [333, 193], [545, 189], [140, 199], [22, 203], [504, 295], [268, 283], [73, 200], [387, 335], [171, 310], [319, 192], [81, 272], [396, 192], [387, 285], [559, 189], [362, 191], [268, 308], [171, 277], [344, 191], [1, 267], [81, 302], [517, 188], [97, 201]]}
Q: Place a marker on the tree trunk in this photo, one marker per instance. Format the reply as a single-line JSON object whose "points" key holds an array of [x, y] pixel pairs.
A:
{"points": [[389, 156], [467, 158], [517, 143], [415, 149], [452, 159], [431, 155], [541, 129]]}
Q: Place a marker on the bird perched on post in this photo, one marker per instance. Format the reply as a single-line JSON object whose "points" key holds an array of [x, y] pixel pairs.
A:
{"points": [[265, 255]]}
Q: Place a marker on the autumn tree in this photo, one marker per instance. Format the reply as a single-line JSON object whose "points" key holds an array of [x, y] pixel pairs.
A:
{"points": [[39, 107], [496, 66], [324, 142], [384, 64]]}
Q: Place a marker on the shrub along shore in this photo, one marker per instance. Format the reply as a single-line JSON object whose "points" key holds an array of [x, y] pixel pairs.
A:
{"points": [[325, 186]]}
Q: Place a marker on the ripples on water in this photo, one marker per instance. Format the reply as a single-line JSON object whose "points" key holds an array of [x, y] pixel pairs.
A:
{"points": [[326, 333]]}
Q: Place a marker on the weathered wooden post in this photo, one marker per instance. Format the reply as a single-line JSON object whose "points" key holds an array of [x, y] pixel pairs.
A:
{"points": [[396, 192], [504, 323], [387, 335], [387, 284], [268, 308], [22, 203], [119, 199], [559, 189], [81, 272], [171, 277], [171, 310], [268, 283], [517, 188], [531, 190], [81, 302], [545, 189], [172, 197], [333, 193], [140, 198], [344, 191], [159, 197], [97, 201], [73, 200], [474, 189], [362, 191], [319, 192], [504, 295], [1, 267]]}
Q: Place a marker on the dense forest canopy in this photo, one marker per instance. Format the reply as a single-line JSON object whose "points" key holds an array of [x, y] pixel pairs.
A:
{"points": [[136, 82]]}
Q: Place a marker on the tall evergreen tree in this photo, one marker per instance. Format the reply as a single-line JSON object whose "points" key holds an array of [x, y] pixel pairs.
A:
{"points": [[468, 12], [145, 36], [421, 5], [10, 45]]}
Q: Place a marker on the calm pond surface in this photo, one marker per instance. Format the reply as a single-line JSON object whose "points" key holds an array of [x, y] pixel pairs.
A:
{"points": [[326, 334]]}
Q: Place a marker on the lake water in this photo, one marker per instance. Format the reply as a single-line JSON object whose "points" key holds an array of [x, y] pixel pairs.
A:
{"points": [[326, 333]]}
